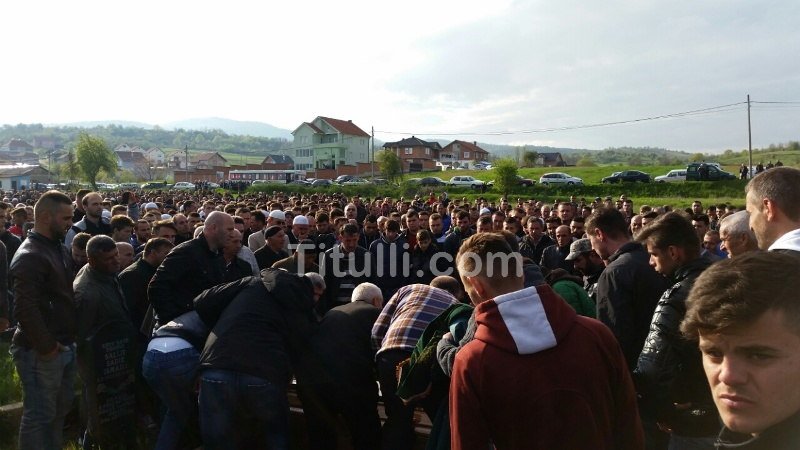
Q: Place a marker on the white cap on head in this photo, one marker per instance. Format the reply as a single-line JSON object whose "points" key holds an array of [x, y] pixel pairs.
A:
{"points": [[106, 213], [150, 205], [277, 214], [300, 220], [485, 211], [165, 217]]}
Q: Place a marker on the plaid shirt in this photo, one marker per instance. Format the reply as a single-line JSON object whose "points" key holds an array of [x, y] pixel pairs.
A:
{"points": [[406, 316]]}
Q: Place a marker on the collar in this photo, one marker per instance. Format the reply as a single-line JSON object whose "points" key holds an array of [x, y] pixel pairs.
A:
{"points": [[626, 248], [789, 241]]}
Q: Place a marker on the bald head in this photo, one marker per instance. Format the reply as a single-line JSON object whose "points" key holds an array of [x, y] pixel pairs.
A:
{"points": [[218, 227], [563, 235]]}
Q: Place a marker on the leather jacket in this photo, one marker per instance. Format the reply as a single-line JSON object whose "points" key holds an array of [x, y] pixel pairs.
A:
{"points": [[41, 275], [670, 367]]}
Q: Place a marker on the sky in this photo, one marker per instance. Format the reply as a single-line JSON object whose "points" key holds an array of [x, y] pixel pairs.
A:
{"points": [[495, 71]]}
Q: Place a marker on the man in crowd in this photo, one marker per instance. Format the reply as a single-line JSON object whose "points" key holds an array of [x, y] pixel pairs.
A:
{"points": [[735, 234], [11, 242], [554, 257], [521, 373], [394, 335], [126, 254], [43, 346], [100, 303], [121, 228], [669, 370], [344, 268], [535, 241], [142, 233], [369, 231], [135, 278], [773, 201], [190, 268], [272, 250], [388, 255], [345, 349], [629, 288], [260, 327], [587, 264], [745, 313], [93, 222]]}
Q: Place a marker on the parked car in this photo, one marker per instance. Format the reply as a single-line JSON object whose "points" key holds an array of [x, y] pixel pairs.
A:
{"points": [[380, 181], [559, 178], [155, 185], [672, 176], [431, 181], [631, 176], [300, 182], [466, 181], [322, 182], [526, 182], [355, 181], [129, 186], [342, 178], [183, 185], [714, 172]]}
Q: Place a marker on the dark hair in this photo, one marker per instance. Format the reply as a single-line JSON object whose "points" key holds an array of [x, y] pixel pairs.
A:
{"points": [[164, 223], [511, 239], [392, 225], [701, 218], [348, 229], [156, 244], [258, 216], [671, 229], [448, 284], [49, 202], [485, 220], [370, 218], [80, 240], [608, 220], [735, 292], [99, 244], [120, 222]]}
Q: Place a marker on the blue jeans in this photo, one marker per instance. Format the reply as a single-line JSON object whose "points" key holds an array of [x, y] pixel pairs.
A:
{"points": [[242, 411], [48, 389], [171, 376]]}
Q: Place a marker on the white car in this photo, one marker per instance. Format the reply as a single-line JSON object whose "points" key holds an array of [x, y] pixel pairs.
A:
{"points": [[672, 176], [183, 185], [559, 178], [465, 181]]}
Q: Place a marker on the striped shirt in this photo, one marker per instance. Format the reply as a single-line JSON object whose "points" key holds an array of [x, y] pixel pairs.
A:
{"points": [[406, 316]]}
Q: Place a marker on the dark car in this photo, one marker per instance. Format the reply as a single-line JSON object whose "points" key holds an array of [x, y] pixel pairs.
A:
{"points": [[630, 176], [707, 172], [342, 178], [526, 182], [431, 181], [322, 182]]}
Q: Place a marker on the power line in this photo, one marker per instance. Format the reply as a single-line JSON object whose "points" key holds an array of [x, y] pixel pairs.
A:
{"points": [[777, 103], [703, 111]]}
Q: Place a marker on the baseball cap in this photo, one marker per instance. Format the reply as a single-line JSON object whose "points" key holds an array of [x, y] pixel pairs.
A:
{"points": [[578, 248]]}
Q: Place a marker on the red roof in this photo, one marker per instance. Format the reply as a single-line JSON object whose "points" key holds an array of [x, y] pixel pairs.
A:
{"points": [[345, 127], [468, 146]]}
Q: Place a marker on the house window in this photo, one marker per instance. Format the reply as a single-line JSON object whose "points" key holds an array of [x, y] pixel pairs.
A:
{"points": [[409, 150], [466, 155], [427, 151]]}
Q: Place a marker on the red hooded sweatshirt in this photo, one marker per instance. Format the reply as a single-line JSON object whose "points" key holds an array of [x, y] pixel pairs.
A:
{"points": [[538, 376]]}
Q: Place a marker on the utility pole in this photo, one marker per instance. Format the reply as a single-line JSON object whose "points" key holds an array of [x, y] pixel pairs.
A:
{"points": [[749, 139], [372, 153], [186, 150]]}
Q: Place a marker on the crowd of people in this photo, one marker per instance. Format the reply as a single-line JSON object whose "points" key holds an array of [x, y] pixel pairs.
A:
{"points": [[572, 324]]}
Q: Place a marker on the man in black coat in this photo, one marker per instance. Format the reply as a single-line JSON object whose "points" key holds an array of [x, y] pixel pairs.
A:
{"points": [[135, 278], [344, 267], [344, 347], [260, 329], [190, 268], [670, 370]]}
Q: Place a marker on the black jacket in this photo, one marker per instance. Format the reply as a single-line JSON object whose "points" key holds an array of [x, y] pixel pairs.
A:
{"points": [[266, 257], [627, 293], [344, 344], [783, 436], [670, 368], [41, 275], [258, 324], [534, 251], [187, 270], [554, 257], [134, 280], [339, 279]]}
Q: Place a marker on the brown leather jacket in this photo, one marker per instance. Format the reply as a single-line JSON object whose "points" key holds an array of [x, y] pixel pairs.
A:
{"points": [[41, 275]]}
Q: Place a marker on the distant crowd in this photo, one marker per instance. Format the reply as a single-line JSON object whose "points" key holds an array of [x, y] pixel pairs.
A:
{"points": [[575, 324]]}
